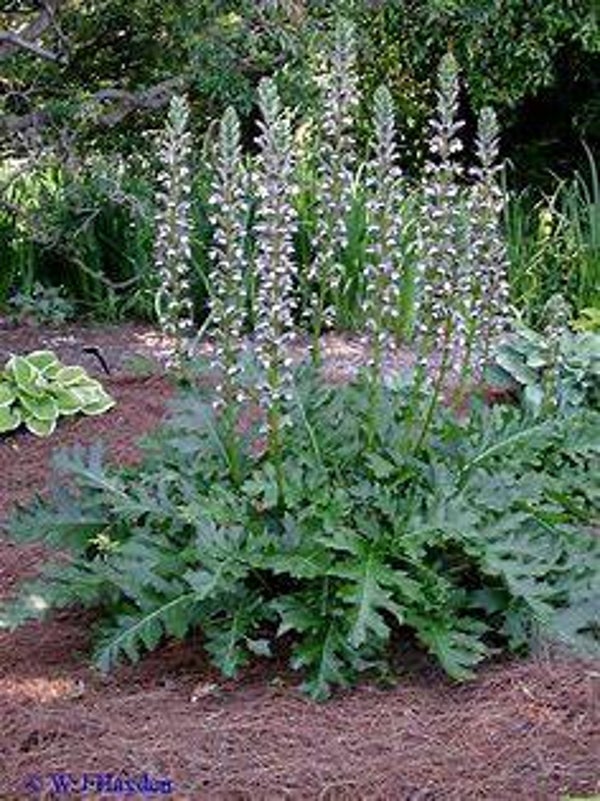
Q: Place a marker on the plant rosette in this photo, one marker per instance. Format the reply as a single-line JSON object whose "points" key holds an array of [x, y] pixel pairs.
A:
{"points": [[37, 389], [474, 541]]}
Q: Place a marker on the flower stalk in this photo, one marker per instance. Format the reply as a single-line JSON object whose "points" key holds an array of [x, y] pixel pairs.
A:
{"points": [[383, 271], [557, 314], [441, 275], [335, 175], [173, 252], [487, 246], [229, 209], [382, 274], [276, 223]]}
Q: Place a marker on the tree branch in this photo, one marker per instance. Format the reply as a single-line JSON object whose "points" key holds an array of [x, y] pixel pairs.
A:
{"points": [[14, 123], [125, 102], [18, 42], [26, 39], [122, 103]]}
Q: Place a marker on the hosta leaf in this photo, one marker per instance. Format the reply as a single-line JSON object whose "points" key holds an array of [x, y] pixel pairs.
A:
{"points": [[69, 376], [517, 368], [22, 371], [41, 408], [51, 371], [7, 395], [100, 406], [66, 401], [38, 390], [85, 395], [10, 419], [91, 383], [35, 379], [537, 360], [41, 428], [534, 398], [43, 360]]}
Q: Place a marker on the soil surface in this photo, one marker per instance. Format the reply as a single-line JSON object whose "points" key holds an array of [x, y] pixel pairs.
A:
{"points": [[524, 730]]}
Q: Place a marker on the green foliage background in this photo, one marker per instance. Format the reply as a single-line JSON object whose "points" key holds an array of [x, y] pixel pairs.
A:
{"points": [[515, 54]]}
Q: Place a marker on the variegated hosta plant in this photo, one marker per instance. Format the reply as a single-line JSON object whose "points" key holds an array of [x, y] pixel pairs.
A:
{"points": [[35, 390]]}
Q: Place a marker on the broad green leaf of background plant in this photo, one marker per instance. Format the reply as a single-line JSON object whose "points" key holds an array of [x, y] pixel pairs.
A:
{"points": [[36, 390]]}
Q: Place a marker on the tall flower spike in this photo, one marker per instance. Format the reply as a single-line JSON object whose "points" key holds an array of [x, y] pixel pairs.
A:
{"points": [[173, 228], [383, 206], [440, 275], [487, 245], [275, 227], [557, 314], [229, 215], [335, 171]]}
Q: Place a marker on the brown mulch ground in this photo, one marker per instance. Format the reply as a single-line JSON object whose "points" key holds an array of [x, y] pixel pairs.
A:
{"points": [[523, 731]]}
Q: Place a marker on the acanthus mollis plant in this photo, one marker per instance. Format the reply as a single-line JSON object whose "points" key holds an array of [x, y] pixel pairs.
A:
{"points": [[486, 255], [442, 280], [173, 252], [229, 204], [334, 178], [383, 268], [276, 223]]}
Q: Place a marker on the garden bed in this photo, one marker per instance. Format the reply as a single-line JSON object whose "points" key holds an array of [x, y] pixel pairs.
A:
{"points": [[525, 729]]}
